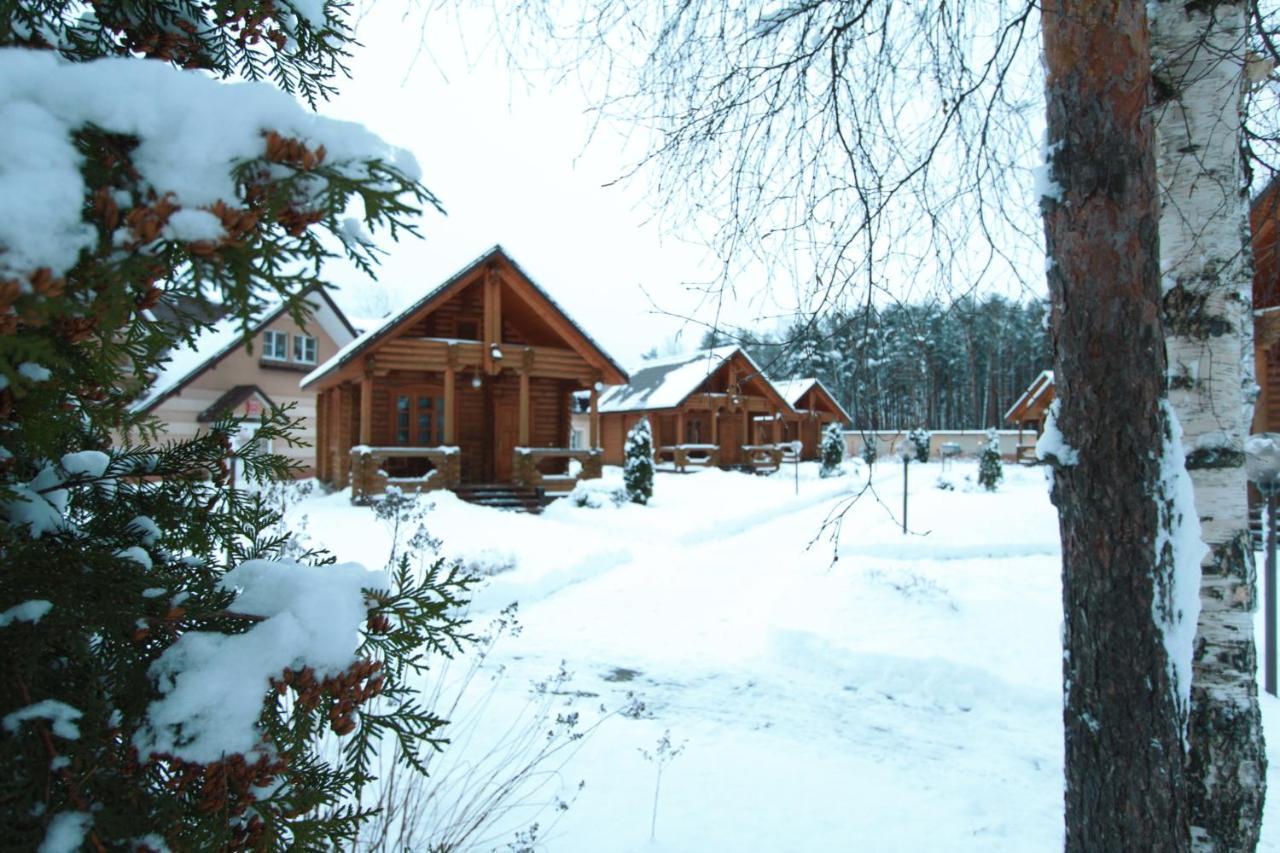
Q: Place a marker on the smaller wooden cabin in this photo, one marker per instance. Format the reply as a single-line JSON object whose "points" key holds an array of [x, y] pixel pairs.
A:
{"points": [[1029, 412], [814, 407], [469, 387], [703, 408]]}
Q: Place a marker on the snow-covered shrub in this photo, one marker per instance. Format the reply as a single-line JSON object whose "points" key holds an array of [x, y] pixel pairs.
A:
{"points": [[869, 449], [170, 664], [637, 467], [831, 450], [990, 468], [920, 438], [597, 494]]}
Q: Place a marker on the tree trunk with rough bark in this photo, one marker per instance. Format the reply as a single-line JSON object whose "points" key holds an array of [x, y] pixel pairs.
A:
{"points": [[1197, 52], [1117, 466]]}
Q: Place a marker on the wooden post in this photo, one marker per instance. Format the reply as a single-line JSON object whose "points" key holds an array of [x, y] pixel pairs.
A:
{"points": [[492, 320], [680, 427], [747, 437], [595, 415], [524, 408], [321, 436], [366, 406], [450, 394], [342, 433], [776, 433], [715, 424]]}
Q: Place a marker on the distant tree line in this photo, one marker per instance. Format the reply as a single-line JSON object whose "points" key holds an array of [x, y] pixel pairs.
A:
{"points": [[942, 366]]}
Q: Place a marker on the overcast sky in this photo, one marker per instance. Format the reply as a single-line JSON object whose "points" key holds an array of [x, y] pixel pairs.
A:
{"points": [[512, 165], [515, 162]]}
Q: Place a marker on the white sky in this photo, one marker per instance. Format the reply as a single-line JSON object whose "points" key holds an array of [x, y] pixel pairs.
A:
{"points": [[514, 162], [511, 165]]}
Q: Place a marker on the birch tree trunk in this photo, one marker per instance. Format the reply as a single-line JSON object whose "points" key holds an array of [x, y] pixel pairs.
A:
{"points": [[1117, 465], [1197, 53]]}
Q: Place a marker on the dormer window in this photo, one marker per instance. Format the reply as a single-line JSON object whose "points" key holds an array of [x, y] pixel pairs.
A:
{"points": [[275, 345], [304, 349]]}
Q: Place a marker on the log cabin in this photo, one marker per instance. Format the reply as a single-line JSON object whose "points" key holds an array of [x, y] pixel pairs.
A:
{"points": [[1264, 222], [813, 408], [468, 388], [702, 408], [1029, 412]]}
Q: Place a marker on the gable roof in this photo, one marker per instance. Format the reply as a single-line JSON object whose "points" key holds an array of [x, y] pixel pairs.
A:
{"points": [[795, 389], [439, 295], [1040, 391], [667, 382], [230, 401], [217, 341]]}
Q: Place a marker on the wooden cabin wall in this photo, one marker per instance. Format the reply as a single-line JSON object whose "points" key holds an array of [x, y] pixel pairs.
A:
{"points": [[443, 321], [466, 307]]}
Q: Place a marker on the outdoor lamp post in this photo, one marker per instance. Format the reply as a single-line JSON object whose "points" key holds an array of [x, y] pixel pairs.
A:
{"points": [[906, 450], [1262, 462]]}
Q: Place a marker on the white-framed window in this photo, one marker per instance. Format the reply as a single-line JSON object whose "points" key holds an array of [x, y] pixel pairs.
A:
{"points": [[275, 345], [575, 439], [304, 349]]}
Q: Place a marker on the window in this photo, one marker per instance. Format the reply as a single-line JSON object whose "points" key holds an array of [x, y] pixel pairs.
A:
{"points": [[468, 330], [275, 345], [575, 439], [419, 420], [304, 349]]}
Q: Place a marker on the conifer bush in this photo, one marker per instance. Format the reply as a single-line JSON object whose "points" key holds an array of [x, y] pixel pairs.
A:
{"points": [[990, 468], [919, 437], [637, 469], [832, 450], [171, 663]]}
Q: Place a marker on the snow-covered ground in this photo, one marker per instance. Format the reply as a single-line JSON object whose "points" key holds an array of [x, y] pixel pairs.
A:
{"points": [[877, 692]]}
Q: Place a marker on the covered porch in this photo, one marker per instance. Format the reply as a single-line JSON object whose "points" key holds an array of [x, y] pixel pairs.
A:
{"points": [[432, 413]]}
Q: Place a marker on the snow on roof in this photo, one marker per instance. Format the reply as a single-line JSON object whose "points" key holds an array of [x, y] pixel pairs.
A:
{"points": [[391, 321], [793, 389], [664, 383], [215, 341], [187, 359], [1035, 391]]}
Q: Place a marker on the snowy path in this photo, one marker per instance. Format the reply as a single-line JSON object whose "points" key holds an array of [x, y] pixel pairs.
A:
{"points": [[904, 696]]}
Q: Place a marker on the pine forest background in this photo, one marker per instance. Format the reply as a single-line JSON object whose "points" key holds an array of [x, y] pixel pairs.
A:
{"points": [[904, 365]]}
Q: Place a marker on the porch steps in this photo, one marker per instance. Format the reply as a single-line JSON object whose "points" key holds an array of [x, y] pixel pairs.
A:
{"points": [[502, 496]]}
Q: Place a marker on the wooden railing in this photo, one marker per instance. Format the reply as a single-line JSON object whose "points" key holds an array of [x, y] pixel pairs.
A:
{"points": [[684, 456], [370, 478], [433, 354], [530, 461], [763, 457]]}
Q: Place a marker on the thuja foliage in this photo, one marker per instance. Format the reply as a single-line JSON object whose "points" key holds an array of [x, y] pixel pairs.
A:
{"points": [[637, 470], [919, 437], [831, 450], [990, 468], [114, 544]]}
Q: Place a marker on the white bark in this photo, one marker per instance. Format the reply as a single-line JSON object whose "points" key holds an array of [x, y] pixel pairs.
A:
{"points": [[1198, 53]]}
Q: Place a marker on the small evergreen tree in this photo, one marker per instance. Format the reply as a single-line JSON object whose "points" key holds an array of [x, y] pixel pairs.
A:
{"points": [[638, 463], [990, 468], [869, 452], [171, 662], [831, 450], [920, 438]]}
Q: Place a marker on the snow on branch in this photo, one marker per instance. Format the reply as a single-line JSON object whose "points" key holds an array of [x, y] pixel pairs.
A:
{"points": [[213, 684], [192, 132]]}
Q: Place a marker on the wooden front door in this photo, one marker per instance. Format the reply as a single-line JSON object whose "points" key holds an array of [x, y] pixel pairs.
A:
{"points": [[730, 437], [506, 431]]}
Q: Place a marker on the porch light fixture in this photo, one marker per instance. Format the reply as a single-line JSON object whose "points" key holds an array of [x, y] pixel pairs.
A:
{"points": [[476, 382]]}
